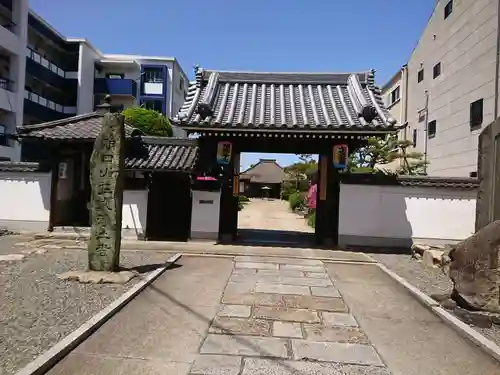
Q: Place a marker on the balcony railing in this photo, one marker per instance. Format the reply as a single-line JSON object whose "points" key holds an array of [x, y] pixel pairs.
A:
{"points": [[48, 103], [6, 84], [35, 56], [115, 86], [7, 23]]}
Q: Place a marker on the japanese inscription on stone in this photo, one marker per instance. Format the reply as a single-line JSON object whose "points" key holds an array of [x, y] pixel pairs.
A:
{"points": [[106, 181]]}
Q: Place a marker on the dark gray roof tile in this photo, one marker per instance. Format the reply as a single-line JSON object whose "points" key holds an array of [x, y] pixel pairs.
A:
{"points": [[81, 127], [163, 154], [324, 101]]}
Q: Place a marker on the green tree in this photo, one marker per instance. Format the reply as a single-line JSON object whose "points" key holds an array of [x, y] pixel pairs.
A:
{"points": [[149, 121], [384, 151]]}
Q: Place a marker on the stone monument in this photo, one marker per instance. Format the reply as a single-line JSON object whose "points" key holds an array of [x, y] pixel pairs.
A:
{"points": [[106, 181], [474, 270]]}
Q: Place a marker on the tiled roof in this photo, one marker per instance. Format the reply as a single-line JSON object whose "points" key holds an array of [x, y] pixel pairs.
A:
{"points": [[163, 154], [266, 171], [288, 101], [11, 166], [82, 127], [464, 183]]}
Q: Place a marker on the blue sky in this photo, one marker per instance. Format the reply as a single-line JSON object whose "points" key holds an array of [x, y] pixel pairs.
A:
{"points": [[260, 35]]}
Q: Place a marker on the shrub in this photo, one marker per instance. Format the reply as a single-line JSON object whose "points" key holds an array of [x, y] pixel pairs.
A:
{"points": [[311, 219], [149, 121], [296, 200], [242, 198]]}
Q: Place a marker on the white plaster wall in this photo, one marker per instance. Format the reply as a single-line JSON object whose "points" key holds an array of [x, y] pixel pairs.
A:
{"points": [[86, 69], [24, 197], [135, 211], [205, 214], [396, 212]]}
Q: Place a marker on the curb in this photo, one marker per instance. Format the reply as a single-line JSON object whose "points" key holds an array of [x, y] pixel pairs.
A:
{"points": [[47, 360], [449, 319]]}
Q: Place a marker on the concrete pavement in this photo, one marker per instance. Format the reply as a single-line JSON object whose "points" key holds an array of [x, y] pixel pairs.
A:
{"points": [[280, 316]]}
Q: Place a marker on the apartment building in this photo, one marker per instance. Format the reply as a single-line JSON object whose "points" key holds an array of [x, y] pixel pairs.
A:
{"points": [[46, 76], [448, 90], [13, 36]]}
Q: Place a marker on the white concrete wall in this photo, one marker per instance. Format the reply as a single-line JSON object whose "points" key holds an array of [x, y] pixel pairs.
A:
{"points": [[397, 216], [25, 200], [205, 214], [86, 68], [134, 213], [465, 44]]}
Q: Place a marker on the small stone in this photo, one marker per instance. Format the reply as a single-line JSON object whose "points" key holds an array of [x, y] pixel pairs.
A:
{"points": [[98, 277], [241, 326], [432, 258], [286, 314], [339, 319], [236, 311], [439, 297], [417, 256], [285, 329], [12, 257], [419, 248], [475, 318], [325, 292], [216, 365], [448, 304]]}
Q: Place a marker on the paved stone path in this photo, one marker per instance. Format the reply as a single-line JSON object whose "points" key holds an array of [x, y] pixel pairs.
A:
{"points": [[271, 214], [280, 316]]}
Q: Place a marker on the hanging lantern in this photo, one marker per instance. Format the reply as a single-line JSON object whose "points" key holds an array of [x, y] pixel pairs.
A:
{"points": [[340, 154], [224, 150]]}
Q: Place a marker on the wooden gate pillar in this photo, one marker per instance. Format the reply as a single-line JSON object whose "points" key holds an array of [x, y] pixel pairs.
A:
{"points": [[327, 206]]}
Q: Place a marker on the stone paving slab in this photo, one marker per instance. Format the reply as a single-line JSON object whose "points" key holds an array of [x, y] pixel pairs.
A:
{"points": [[235, 311], [281, 273], [317, 332], [286, 314], [245, 345], [282, 289], [276, 260], [252, 366], [316, 275], [259, 266], [216, 365], [335, 352], [296, 267], [287, 329], [241, 326], [339, 319], [282, 300], [255, 278], [241, 287], [325, 292], [305, 281]]}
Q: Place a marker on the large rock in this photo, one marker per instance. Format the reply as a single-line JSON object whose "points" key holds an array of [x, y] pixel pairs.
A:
{"points": [[106, 181], [474, 270]]}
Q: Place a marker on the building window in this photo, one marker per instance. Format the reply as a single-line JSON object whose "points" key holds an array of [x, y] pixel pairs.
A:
{"points": [[3, 136], [431, 129], [448, 9], [155, 105], [436, 72], [476, 114], [153, 75], [414, 137], [395, 95], [115, 75], [420, 75], [181, 84]]}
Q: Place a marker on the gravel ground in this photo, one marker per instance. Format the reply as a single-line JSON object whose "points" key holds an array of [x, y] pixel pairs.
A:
{"points": [[428, 280], [37, 309]]}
